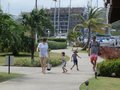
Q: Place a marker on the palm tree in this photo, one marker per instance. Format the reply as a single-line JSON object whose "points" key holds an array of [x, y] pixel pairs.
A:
{"points": [[36, 21], [73, 36], [93, 23], [9, 33]]}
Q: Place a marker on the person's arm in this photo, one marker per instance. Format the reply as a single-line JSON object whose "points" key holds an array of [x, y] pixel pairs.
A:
{"points": [[89, 49], [78, 56], [99, 53], [37, 49]]}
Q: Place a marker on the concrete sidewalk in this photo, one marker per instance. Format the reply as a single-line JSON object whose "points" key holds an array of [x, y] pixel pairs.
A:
{"points": [[54, 80]]}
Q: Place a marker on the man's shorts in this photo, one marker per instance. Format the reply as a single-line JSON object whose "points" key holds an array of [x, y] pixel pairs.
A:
{"points": [[93, 57], [75, 62]]}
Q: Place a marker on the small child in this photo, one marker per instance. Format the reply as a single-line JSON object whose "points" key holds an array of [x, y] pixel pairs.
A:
{"points": [[63, 63], [75, 60]]}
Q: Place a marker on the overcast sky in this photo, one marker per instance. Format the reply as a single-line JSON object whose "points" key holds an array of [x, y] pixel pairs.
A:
{"points": [[16, 6]]}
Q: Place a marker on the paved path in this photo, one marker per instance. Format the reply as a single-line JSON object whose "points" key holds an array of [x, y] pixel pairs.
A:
{"points": [[53, 80]]}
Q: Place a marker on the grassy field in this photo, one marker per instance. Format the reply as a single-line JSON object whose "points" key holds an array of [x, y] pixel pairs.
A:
{"points": [[103, 83], [24, 59], [5, 76]]}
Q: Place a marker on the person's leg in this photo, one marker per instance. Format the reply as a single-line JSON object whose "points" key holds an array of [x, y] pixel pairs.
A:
{"points": [[63, 69], [44, 64], [76, 63], [72, 66], [94, 66], [92, 62], [41, 62], [95, 61], [77, 67]]}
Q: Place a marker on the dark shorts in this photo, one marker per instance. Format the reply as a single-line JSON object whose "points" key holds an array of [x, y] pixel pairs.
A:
{"points": [[75, 62]]}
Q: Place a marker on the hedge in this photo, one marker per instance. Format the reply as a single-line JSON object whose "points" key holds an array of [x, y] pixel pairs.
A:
{"points": [[57, 39], [109, 68], [57, 45], [55, 59]]}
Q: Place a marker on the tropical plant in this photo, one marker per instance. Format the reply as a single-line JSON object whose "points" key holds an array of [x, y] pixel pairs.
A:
{"points": [[93, 23], [36, 21], [10, 39], [73, 36], [116, 25]]}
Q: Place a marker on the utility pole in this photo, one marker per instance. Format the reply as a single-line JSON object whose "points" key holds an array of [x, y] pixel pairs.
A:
{"points": [[97, 4], [36, 4], [0, 5], [69, 14], [8, 7], [59, 17], [55, 17], [36, 34]]}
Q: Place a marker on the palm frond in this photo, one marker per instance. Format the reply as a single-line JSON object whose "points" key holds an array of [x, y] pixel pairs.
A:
{"points": [[77, 26]]}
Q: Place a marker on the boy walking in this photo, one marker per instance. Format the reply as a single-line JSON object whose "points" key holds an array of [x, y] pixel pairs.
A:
{"points": [[75, 60]]}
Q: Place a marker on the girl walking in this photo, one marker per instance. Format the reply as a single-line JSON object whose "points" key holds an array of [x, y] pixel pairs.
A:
{"points": [[63, 63]]}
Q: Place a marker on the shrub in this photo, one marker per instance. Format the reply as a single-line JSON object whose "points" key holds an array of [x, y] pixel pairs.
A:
{"points": [[57, 45], [107, 68], [26, 61], [57, 39], [110, 52]]}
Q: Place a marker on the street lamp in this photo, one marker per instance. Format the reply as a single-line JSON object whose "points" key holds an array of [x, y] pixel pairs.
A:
{"points": [[36, 4], [48, 33], [69, 17], [55, 17], [60, 34], [36, 34], [59, 16]]}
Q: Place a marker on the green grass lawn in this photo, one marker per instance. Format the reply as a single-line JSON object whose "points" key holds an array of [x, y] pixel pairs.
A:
{"points": [[5, 76], [103, 83], [24, 59]]}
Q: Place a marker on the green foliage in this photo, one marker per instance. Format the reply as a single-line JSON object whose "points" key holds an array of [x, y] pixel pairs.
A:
{"points": [[116, 25], [102, 83], [73, 35], [37, 21], [10, 32], [107, 68], [115, 33], [25, 61], [57, 45], [93, 23], [57, 39], [26, 43]]}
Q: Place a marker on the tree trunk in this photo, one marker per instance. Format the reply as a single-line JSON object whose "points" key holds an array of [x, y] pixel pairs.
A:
{"points": [[89, 35], [32, 47]]}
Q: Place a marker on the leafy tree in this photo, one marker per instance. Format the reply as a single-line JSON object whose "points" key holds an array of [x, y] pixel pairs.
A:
{"points": [[36, 21], [93, 23], [10, 39]]}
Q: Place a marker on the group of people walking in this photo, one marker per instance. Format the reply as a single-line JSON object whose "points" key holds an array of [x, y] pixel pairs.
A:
{"points": [[43, 50]]}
